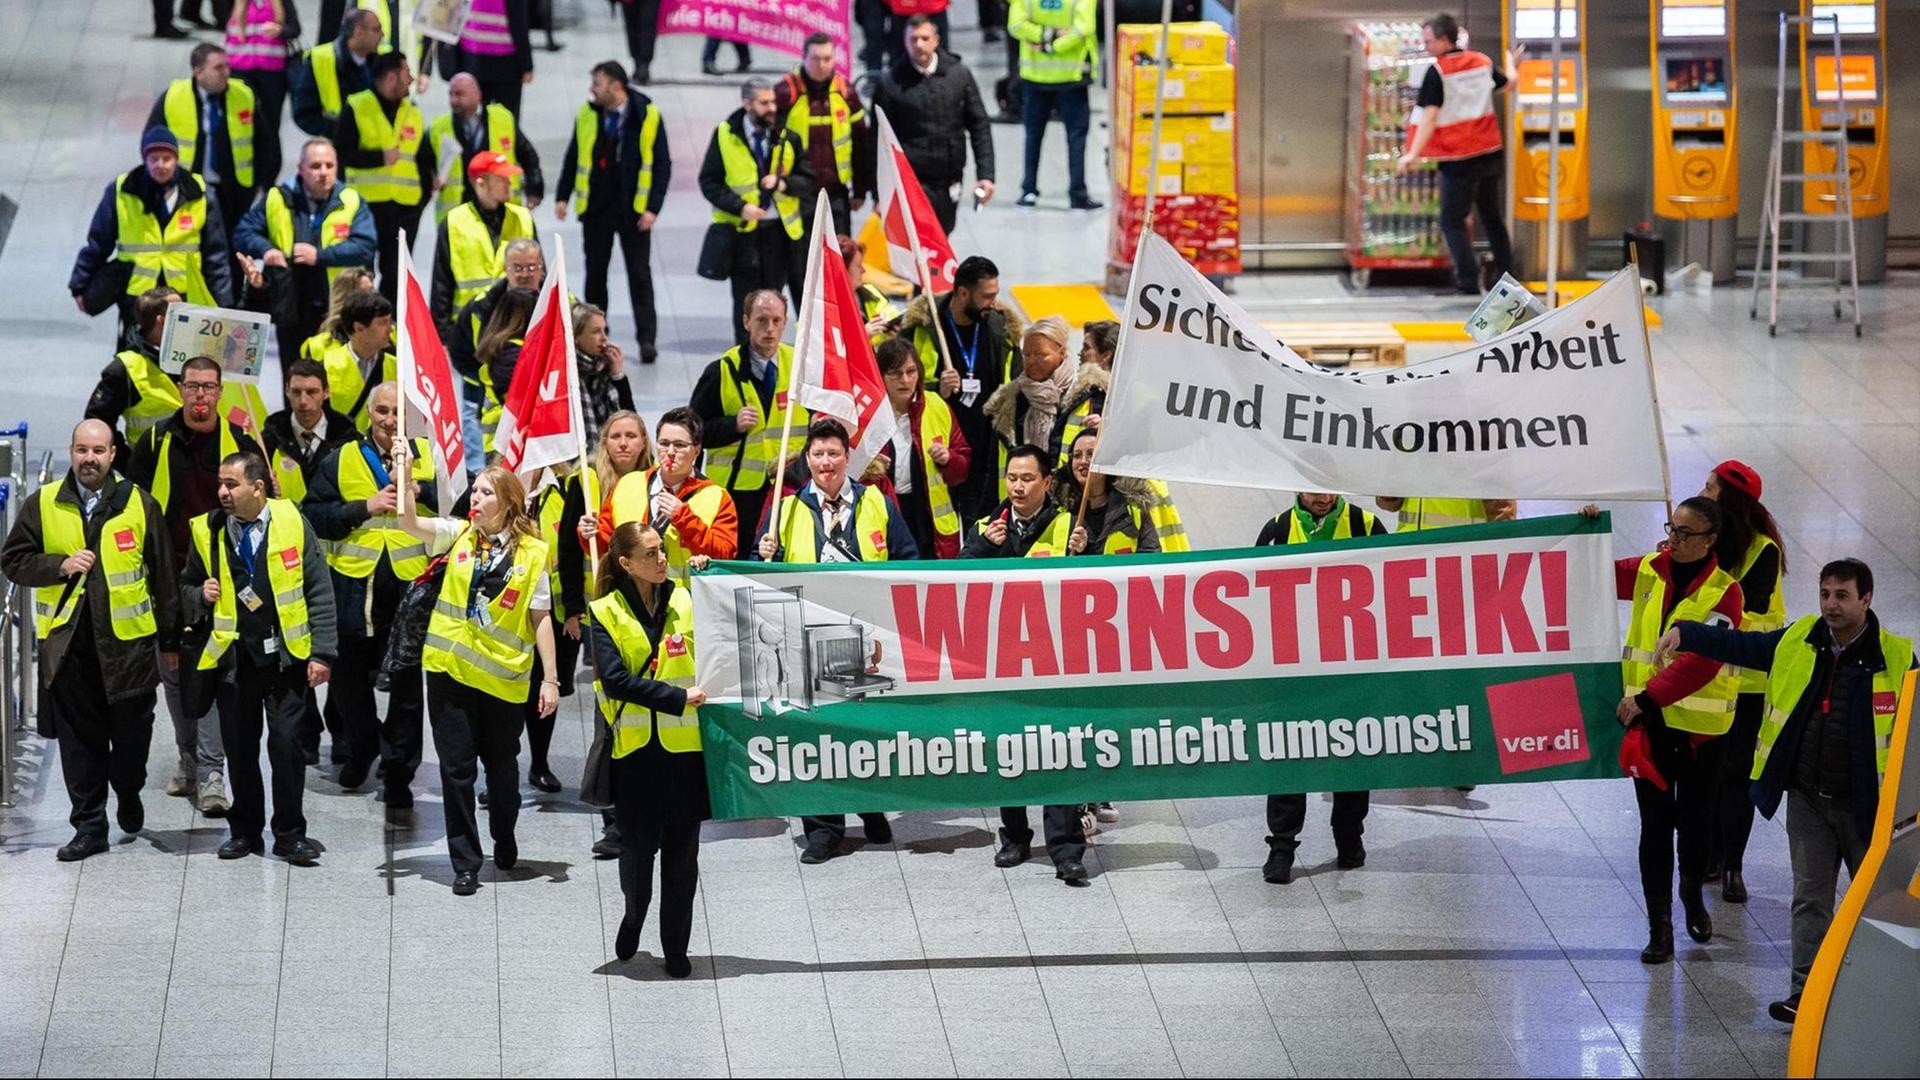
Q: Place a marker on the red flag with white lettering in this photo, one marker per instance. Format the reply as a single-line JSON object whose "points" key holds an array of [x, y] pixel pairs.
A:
{"points": [[539, 425], [912, 230], [427, 381], [834, 370]]}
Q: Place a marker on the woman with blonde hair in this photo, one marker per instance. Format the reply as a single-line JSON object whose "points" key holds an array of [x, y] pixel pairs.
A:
{"points": [[351, 280], [492, 616], [604, 389]]}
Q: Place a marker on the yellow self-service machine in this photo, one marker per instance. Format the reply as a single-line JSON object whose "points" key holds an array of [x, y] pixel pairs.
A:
{"points": [[1542, 126], [1849, 94], [1696, 156]]}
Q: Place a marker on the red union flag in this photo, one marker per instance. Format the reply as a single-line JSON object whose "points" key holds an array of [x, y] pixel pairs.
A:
{"points": [[912, 231], [538, 423], [835, 373], [427, 380]]}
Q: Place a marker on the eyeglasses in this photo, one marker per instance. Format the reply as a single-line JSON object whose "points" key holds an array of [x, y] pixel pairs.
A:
{"points": [[200, 388], [1684, 535], [673, 444]]}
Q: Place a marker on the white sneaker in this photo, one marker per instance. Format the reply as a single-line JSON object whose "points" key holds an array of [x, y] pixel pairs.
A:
{"points": [[1105, 812], [213, 796], [181, 785]]}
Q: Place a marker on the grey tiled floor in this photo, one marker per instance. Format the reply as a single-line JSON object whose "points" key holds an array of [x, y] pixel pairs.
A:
{"points": [[1493, 933]]}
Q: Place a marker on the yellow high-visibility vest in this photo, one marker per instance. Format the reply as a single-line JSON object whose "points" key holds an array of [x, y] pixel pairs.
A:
{"points": [[163, 457], [671, 663], [1076, 54], [743, 179], [1052, 542], [936, 425], [1793, 665], [838, 119], [171, 251], [1419, 515], [633, 501], [475, 257], [492, 653], [155, 395], [335, 228], [359, 553], [286, 537], [799, 544], [1708, 710], [745, 465], [181, 107], [401, 181], [501, 139], [586, 129], [1753, 681], [345, 385], [1343, 527], [122, 560]]}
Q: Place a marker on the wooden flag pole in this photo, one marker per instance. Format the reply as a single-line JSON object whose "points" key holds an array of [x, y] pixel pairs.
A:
{"points": [[801, 333]]}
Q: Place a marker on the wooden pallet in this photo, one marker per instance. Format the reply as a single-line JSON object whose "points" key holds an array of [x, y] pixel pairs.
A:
{"points": [[1343, 344]]}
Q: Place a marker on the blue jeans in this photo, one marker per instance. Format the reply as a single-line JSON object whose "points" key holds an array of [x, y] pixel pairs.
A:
{"points": [[1039, 103], [473, 398]]}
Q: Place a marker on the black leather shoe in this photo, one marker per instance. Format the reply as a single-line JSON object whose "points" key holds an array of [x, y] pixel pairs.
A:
{"points": [[608, 846], [879, 831], [1012, 854], [353, 774], [310, 754], [1352, 858], [1733, 887], [238, 847], [1279, 867], [627, 941], [709, 69], [506, 854], [81, 846], [1694, 901], [1087, 204], [466, 882], [398, 798], [299, 851], [543, 779], [171, 33], [1659, 948], [679, 967], [815, 854], [132, 814], [1071, 871], [1785, 1011]]}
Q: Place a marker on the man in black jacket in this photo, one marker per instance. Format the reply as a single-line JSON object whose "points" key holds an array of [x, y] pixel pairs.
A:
{"points": [[101, 642], [935, 110], [618, 184], [751, 153], [316, 109], [1826, 753], [208, 149]]}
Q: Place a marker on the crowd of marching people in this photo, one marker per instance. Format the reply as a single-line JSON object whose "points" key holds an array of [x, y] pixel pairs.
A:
{"points": [[288, 576]]}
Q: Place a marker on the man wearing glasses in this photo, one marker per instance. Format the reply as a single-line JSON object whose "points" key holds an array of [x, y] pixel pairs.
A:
{"points": [[178, 462]]}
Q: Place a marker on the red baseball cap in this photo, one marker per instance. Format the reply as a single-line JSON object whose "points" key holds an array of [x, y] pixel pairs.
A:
{"points": [[1740, 476], [1636, 757], [490, 162]]}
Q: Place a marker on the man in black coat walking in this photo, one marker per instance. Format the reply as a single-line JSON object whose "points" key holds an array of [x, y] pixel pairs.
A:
{"points": [[935, 110]]}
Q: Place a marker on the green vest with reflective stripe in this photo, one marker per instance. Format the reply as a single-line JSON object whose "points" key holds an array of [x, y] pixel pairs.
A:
{"points": [[838, 119], [1793, 666], [476, 259], [1418, 515], [936, 425], [181, 107], [401, 181], [586, 129], [1076, 62], [633, 501], [1754, 681], [798, 543], [335, 228], [282, 550], [671, 663], [359, 553], [122, 561], [1344, 527], [493, 654], [743, 179], [1166, 519], [1708, 710], [746, 465], [453, 182], [155, 395], [172, 250], [163, 457]]}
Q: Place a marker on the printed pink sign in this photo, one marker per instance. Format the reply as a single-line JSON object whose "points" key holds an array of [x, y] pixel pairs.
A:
{"points": [[783, 25]]}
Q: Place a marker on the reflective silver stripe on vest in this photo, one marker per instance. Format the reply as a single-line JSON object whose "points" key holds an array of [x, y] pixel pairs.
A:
{"points": [[141, 249], [411, 551], [291, 596], [1637, 656], [126, 577], [144, 607], [295, 632], [346, 548], [473, 283], [501, 637], [466, 655]]}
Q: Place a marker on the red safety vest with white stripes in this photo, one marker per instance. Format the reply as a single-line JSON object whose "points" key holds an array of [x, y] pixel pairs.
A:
{"points": [[1465, 126], [487, 32]]}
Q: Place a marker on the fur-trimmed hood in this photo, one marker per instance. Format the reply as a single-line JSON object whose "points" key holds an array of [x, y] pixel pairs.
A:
{"points": [[1090, 380], [920, 314], [1135, 491]]}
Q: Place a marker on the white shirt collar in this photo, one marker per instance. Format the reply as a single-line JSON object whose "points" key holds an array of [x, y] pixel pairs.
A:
{"points": [[932, 65]]}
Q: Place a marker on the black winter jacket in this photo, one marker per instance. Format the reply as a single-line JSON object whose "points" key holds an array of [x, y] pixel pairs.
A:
{"points": [[935, 117]]}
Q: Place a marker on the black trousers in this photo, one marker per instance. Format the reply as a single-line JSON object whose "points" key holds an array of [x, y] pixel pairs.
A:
{"points": [[162, 18], [872, 17], [1065, 838], [502, 92], [642, 21], [1286, 814], [102, 744], [566, 654], [842, 210], [234, 201], [269, 101], [473, 730], [750, 506], [766, 259], [314, 720], [1733, 810], [396, 741], [643, 834], [944, 208], [275, 698], [636, 251], [1474, 186], [830, 829], [1683, 811], [388, 219]]}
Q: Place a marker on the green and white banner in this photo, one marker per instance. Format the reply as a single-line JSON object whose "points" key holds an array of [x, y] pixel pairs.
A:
{"points": [[1459, 656]]}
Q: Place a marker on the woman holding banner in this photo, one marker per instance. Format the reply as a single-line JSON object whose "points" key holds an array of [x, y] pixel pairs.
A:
{"points": [[493, 614], [1676, 717], [642, 639]]}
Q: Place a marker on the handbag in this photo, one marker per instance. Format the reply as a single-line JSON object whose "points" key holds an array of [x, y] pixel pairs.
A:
{"points": [[596, 779], [716, 252], [107, 286], [409, 635]]}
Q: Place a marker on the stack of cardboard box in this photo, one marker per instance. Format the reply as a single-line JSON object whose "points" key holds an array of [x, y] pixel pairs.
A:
{"points": [[1198, 209]]}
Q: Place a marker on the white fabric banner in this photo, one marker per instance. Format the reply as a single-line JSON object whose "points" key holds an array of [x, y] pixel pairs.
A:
{"points": [[1561, 408]]}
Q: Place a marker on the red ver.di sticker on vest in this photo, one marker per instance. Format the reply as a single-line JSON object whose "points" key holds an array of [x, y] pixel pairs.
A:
{"points": [[509, 598], [290, 558], [124, 540], [675, 645]]}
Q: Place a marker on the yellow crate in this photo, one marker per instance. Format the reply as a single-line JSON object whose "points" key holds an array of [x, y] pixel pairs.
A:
{"points": [[1208, 180], [1208, 88], [1189, 140], [1192, 42]]}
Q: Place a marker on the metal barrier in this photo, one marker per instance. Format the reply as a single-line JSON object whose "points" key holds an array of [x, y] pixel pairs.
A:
{"points": [[17, 648]]}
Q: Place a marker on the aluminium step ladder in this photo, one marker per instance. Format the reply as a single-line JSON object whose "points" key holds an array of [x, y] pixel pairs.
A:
{"points": [[1844, 257]]}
